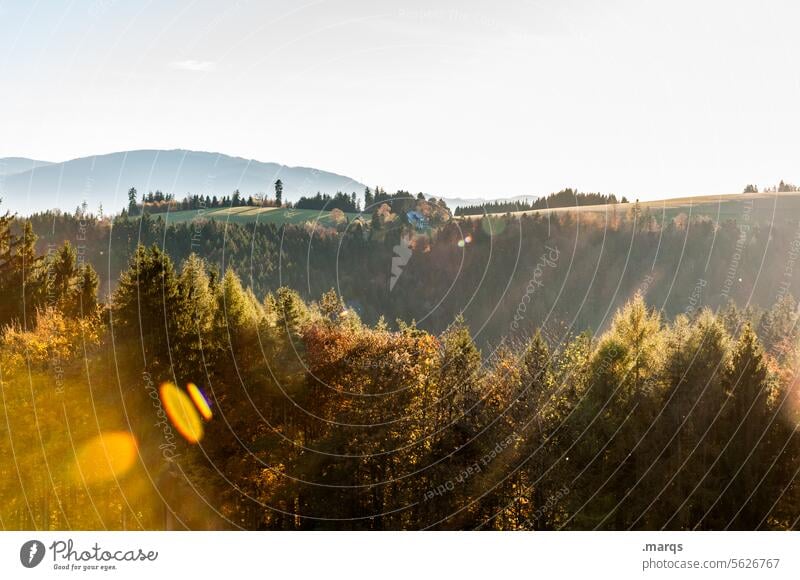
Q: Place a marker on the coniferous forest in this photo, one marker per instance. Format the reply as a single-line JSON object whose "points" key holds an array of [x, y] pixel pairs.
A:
{"points": [[400, 370]]}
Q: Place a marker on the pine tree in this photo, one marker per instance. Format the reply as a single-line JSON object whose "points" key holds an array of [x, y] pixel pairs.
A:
{"points": [[29, 274], [197, 346], [537, 417], [84, 300], [745, 424], [64, 271], [133, 208], [147, 304], [290, 311], [279, 192], [459, 373], [697, 359], [9, 270]]}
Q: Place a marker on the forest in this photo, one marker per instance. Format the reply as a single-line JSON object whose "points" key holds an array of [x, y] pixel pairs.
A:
{"points": [[528, 373], [478, 267], [565, 198]]}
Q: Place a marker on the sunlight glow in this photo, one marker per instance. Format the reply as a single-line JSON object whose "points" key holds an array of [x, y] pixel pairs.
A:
{"points": [[105, 457]]}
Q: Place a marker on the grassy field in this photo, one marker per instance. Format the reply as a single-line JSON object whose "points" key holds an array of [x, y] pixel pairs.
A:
{"points": [[752, 207], [247, 215]]}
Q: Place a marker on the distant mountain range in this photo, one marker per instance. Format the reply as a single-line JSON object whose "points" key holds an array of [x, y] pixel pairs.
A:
{"points": [[28, 185], [11, 165]]}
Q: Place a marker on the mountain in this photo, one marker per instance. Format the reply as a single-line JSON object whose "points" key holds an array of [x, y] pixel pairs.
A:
{"points": [[10, 165], [106, 179]]}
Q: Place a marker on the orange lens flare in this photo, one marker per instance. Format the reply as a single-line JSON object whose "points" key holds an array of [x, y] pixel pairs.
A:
{"points": [[105, 457], [181, 412], [199, 401]]}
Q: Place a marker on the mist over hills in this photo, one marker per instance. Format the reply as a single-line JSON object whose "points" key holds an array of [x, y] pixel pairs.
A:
{"points": [[11, 165], [27, 185]]}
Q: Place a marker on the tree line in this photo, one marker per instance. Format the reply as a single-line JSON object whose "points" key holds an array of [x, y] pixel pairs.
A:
{"points": [[564, 198], [159, 202]]}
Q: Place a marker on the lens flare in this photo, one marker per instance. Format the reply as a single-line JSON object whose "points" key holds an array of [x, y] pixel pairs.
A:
{"points": [[468, 239], [199, 401], [181, 412], [461, 243], [493, 225], [105, 457]]}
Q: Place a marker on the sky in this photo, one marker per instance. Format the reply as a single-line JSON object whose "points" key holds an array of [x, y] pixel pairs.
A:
{"points": [[454, 98]]}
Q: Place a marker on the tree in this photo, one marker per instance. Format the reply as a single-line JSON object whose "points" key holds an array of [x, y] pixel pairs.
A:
{"points": [[10, 271], [147, 304], [29, 274], [84, 302], [64, 270], [331, 305], [290, 311], [539, 408], [133, 207], [638, 330], [279, 192], [198, 295], [458, 378], [747, 452], [697, 357]]}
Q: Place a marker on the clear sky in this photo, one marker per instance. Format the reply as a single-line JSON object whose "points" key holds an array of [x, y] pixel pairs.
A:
{"points": [[461, 98]]}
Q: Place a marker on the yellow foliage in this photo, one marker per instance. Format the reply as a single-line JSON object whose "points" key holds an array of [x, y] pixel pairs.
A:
{"points": [[54, 337]]}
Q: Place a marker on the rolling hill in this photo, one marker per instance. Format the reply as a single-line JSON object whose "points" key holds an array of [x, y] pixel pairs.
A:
{"points": [[247, 215], [11, 165], [751, 207]]}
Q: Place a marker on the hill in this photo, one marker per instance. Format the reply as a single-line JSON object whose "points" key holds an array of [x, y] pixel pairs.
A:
{"points": [[262, 215], [11, 165], [105, 179], [752, 207]]}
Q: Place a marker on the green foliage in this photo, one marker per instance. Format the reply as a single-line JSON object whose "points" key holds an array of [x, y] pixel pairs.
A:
{"points": [[146, 304]]}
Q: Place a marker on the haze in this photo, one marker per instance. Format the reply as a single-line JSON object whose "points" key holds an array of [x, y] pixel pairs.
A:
{"points": [[465, 99]]}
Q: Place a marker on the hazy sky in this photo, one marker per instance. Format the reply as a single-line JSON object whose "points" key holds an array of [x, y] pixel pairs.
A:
{"points": [[461, 98]]}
